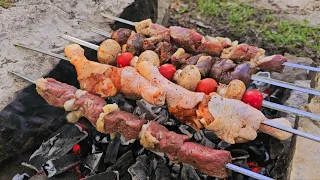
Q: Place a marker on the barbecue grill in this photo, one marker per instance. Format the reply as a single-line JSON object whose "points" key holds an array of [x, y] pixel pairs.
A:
{"points": [[43, 159]]}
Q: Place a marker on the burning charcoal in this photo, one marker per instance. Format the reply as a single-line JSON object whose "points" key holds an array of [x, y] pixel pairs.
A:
{"points": [[68, 175], [84, 169], [23, 176], [238, 152], [162, 117], [170, 122], [162, 172], [147, 108], [122, 165], [206, 142], [60, 165], [211, 136], [57, 146], [146, 161], [185, 130], [257, 154], [223, 145], [197, 136], [112, 150], [138, 171], [122, 102], [189, 173], [93, 160], [43, 176], [176, 167], [104, 176]]}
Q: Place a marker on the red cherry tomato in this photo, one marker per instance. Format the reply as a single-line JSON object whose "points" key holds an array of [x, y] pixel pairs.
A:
{"points": [[167, 70], [124, 59], [207, 85], [253, 97]]}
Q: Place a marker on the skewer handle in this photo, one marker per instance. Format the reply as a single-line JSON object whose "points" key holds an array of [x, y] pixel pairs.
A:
{"points": [[285, 85], [81, 42], [247, 172], [101, 32], [43, 51], [301, 66], [118, 19]]}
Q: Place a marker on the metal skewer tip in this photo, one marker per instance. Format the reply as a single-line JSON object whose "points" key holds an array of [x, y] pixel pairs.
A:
{"points": [[117, 19], [81, 42], [22, 76], [101, 32], [43, 51]]}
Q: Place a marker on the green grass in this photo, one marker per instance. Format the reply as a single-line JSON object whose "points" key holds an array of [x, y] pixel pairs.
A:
{"points": [[240, 18], [6, 3]]}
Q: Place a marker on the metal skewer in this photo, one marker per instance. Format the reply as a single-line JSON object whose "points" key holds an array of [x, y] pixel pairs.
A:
{"points": [[228, 165], [265, 103], [285, 63], [253, 77]]}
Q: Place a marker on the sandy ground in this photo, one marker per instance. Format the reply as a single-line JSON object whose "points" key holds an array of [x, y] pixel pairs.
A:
{"points": [[38, 23]]}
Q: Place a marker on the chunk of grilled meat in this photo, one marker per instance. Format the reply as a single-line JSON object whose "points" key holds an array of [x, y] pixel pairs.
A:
{"points": [[213, 45], [242, 52], [179, 57], [225, 70], [188, 39], [121, 35], [271, 63], [164, 51], [135, 43]]}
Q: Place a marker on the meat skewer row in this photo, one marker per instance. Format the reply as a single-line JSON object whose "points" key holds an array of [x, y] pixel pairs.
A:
{"points": [[108, 119], [191, 118], [242, 71], [213, 46]]}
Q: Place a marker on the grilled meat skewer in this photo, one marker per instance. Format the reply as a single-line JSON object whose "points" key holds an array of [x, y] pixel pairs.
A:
{"points": [[109, 119], [106, 80], [231, 120]]}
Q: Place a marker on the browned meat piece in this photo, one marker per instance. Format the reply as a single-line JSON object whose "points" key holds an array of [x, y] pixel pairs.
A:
{"points": [[220, 67], [214, 46], [212, 162], [164, 50], [179, 57], [204, 65], [279, 134], [207, 160], [224, 71], [89, 105], [192, 60], [127, 124], [271, 63], [108, 51], [135, 43], [242, 52], [188, 39], [54, 92], [121, 35], [234, 90], [242, 72]]}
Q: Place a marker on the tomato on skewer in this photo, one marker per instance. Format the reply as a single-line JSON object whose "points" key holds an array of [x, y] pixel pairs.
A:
{"points": [[253, 97]]}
